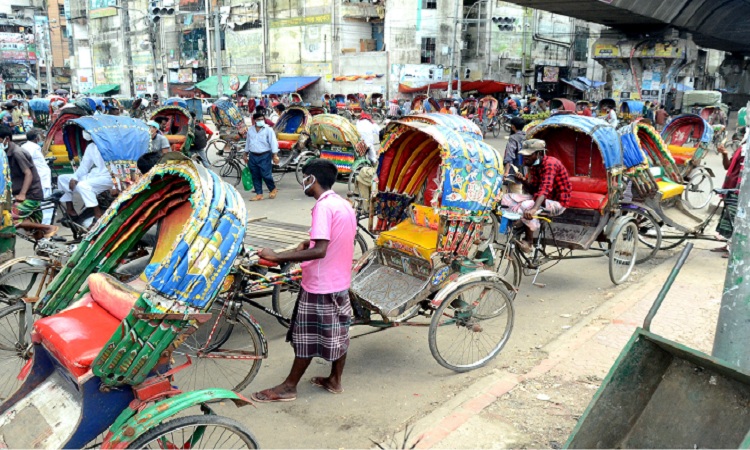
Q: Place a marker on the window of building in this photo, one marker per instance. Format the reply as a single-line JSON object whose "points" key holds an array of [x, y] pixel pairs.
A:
{"points": [[429, 4], [61, 10], [581, 44], [428, 51]]}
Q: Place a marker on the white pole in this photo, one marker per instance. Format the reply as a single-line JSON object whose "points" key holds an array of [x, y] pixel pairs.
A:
{"points": [[208, 34]]}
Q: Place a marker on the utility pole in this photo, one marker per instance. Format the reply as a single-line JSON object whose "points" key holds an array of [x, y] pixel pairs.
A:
{"points": [[217, 56], [523, 54], [208, 34], [453, 50], [732, 331], [127, 45]]}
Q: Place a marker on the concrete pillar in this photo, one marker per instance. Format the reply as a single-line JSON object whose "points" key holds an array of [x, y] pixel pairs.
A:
{"points": [[639, 68]]}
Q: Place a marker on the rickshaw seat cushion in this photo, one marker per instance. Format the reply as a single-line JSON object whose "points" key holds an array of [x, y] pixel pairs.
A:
{"points": [[175, 138], [287, 137], [589, 184], [114, 296], [286, 145], [680, 160], [425, 216], [76, 336], [669, 189], [410, 238], [587, 200]]}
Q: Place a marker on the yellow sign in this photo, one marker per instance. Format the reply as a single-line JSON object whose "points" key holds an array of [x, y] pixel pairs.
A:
{"points": [[606, 51], [301, 21], [102, 12], [661, 51]]}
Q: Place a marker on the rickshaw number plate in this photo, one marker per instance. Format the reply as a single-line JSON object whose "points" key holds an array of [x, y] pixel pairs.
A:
{"points": [[388, 290]]}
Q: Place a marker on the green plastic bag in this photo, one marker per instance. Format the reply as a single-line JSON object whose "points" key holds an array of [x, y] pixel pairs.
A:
{"points": [[247, 179]]}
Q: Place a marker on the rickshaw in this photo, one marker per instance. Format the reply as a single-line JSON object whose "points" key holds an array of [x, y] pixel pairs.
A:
{"points": [[336, 139], [593, 220], [559, 105], [176, 101], [469, 107], [660, 195], [489, 114], [120, 140], [688, 138], [40, 112], [232, 129], [293, 124], [180, 128], [54, 144], [630, 110], [608, 102], [716, 117], [294, 98], [433, 210], [340, 100], [352, 108], [101, 373], [194, 105], [417, 105]]}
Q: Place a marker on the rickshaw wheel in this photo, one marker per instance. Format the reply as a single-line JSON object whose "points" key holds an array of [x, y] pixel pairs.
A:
{"points": [[218, 157], [649, 235], [200, 431], [301, 163], [21, 280], [699, 189], [496, 130], [234, 335], [475, 322], [15, 346], [508, 266], [623, 251]]}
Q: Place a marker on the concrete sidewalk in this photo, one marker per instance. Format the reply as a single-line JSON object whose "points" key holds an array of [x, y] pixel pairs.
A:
{"points": [[540, 407]]}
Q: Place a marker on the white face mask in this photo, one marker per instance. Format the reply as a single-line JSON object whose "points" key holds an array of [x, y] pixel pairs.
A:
{"points": [[260, 123], [305, 184], [537, 162], [86, 136]]}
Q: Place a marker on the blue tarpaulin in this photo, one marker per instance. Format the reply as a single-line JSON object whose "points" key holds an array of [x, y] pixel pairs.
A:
{"points": [[119, 138], [288, 85]]}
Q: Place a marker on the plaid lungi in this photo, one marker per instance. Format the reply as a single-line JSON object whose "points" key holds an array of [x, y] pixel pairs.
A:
{"points": [[520, 203], [320, 325], [27, 209], [728, 213]]}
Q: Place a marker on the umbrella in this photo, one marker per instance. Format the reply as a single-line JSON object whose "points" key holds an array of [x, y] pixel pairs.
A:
{"points": [[61, 92]]}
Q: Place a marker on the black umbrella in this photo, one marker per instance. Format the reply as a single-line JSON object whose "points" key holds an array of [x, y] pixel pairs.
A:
{"points": [[61, 92]]}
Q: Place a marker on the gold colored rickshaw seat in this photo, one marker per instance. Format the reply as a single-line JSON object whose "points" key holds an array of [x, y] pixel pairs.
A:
{"points": [[669, 189], [415, 236]]}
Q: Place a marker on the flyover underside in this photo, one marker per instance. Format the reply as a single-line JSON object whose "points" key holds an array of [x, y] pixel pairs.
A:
{"points": [[719, 24]]}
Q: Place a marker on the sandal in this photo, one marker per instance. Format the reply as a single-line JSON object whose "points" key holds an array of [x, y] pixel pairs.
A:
{"points": [[257, 198], [273, 194], [318, 381], [273, 398]]}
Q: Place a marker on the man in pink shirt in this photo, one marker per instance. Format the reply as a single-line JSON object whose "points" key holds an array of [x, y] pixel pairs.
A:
{"points": [[322, 315]]}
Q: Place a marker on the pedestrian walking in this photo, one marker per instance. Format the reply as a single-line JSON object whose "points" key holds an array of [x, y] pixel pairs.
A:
{"points": [[320, 322], [660, 117], [734, 166], [262, 152]]}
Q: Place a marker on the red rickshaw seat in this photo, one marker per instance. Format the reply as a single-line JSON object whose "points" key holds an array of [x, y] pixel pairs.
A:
{"points": [[587, 200], [286, 145], [681, 160], [76, 335], [588, 193]]}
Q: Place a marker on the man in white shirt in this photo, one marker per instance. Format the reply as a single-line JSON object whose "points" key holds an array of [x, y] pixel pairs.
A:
{"points": [[454, 108], [370, 133], [90, 179], [45, 174], [611, 116]]}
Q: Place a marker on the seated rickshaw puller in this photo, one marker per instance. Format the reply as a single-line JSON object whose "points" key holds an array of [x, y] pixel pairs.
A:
{"points": [[27, 188], [90, 179], [548, 185]]}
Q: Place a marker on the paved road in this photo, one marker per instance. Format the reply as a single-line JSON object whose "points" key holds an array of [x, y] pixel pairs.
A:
{"points": [[391, 378]]}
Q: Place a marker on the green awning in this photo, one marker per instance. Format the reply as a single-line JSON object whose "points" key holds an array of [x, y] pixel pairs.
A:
{"points": [[209, 85], [104, 89]]}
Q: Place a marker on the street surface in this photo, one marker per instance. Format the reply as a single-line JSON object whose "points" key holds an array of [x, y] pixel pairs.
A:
{"points": [[391, 380]]}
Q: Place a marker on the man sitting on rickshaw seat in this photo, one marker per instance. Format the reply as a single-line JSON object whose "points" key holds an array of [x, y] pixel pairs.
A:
{"points": [[548, 185], [90, 179]]}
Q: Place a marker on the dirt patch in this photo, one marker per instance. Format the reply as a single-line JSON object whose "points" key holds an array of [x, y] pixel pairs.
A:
{"points": [[543, 411]]}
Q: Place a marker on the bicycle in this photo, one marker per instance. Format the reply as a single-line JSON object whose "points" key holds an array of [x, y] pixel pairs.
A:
{"points": [[235, 162]]}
